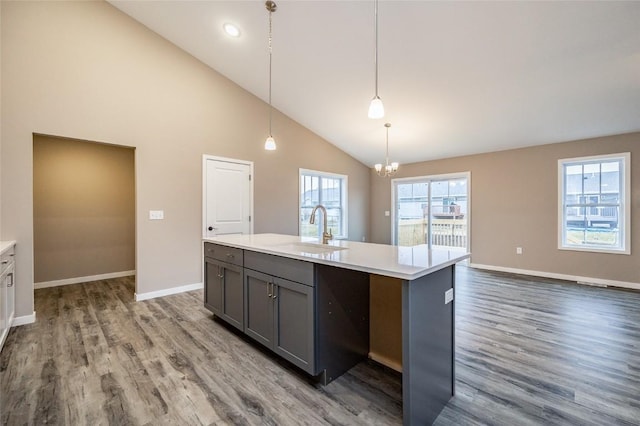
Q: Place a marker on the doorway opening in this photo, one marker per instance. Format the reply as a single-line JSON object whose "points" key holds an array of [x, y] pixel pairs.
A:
{"points": [[83, 211], [432, 210]]}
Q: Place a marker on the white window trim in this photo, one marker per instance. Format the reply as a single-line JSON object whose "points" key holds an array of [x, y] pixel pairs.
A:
{"points": [[345, 193], [625, 204]]}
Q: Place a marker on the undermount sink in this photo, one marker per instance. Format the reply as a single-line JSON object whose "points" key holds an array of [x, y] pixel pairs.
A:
{"points": [[312, 248]]}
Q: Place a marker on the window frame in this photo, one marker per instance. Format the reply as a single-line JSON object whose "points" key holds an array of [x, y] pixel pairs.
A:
{"points": [[343, 198], [624, 215]]}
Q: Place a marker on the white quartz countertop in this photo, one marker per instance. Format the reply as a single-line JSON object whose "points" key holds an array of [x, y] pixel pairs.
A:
{"points": [[407, 263], [5, 245]]}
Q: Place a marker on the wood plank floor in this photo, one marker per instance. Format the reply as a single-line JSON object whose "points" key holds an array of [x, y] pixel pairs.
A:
{"points": [[529, 352]]}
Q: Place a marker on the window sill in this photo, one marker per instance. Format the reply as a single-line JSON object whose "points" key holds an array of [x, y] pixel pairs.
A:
{"points": [[596, 250]]}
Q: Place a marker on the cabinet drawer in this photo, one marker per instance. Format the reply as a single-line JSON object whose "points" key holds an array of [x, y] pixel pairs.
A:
{"points": [[6, 259], [283, 267], [223, 253]]}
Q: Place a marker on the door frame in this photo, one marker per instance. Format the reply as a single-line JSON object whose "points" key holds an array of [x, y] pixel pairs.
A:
{"points": [[207, 157], [430, 178]]}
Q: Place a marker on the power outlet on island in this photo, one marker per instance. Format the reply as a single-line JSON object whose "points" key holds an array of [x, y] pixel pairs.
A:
{"points": [[448, 296]]}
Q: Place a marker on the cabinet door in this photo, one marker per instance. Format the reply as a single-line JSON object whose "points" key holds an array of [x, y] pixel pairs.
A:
{"points": [[213, 285], [11, 299], [258, 309], [294, 323], [4, 329], [233, 295]]}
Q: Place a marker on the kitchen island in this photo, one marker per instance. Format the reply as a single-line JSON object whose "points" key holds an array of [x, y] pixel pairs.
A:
{"points": [[309, 303]]}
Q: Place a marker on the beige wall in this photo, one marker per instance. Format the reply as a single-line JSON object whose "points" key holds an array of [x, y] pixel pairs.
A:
{"points": [[1, 235], [514, 204], [83, 209], [84, 70]]}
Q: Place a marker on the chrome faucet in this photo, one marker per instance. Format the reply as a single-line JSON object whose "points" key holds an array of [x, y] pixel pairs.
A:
{"points": [[326, 236]]}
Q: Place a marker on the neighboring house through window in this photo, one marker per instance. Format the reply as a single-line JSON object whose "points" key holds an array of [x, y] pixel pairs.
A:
{"points": [[594, 203], [327, 189]]}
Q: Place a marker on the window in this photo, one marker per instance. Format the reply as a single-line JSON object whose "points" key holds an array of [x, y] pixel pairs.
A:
{"points": [[594, 203], [327, 189]]}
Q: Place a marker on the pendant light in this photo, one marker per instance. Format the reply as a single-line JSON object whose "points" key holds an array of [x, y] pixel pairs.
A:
{"points": [[270, 143], [376, 109], [389, 169]]}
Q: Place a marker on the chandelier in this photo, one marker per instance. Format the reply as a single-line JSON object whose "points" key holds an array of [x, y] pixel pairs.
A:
{"points": [[389, 169]]}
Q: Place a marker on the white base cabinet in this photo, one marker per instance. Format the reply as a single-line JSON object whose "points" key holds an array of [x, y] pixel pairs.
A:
{"points": [[7, 290]]}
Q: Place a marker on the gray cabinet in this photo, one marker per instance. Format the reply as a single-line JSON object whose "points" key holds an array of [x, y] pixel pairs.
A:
{"points": [[258, 313], [314, 316], [212, 286], [294, 325], [224, 289], [279, 313]]}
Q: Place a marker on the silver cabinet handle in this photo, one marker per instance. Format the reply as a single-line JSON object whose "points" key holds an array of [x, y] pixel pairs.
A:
{"points": [[273, 290], [10, 284], [220, 274], [269, 295]]}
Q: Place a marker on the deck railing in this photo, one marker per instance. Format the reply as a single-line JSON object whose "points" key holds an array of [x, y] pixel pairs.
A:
{"points": [[444, 232]]}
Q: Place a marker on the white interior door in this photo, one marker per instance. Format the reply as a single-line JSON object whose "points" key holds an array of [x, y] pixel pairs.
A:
{"points": [[227, 197]]}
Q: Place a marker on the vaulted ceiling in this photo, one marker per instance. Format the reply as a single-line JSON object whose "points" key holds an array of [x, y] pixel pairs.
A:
{"points": [[455, 77]]}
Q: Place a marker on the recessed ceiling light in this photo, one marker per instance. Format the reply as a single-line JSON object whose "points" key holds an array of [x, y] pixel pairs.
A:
{"points": [[231, 30]]}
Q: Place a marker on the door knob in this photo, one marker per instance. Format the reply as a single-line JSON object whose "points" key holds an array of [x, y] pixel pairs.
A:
{"points": [[211, 228]]}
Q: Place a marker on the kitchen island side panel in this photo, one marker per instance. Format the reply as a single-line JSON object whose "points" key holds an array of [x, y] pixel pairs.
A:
{"points": [[342, 319], [428, 346]]}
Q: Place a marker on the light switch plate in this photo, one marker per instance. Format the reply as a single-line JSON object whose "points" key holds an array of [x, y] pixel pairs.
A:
{"points": [[448, 296], [156, 214]]}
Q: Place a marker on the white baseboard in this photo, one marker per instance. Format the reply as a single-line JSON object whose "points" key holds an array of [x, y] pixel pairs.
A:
{"points": [[600, 282], [24, 320], [168, 291], [77, 280]]}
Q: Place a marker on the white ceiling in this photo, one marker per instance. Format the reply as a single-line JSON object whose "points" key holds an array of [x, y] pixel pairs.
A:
{"points": [[455, 77]]}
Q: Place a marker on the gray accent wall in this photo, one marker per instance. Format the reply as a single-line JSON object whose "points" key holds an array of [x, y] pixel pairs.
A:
{"points": [[85, 70]]}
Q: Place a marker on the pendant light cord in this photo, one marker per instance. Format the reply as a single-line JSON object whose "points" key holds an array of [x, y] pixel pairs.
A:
{"points": [[387, 157], [270, 107], [376, 51]]}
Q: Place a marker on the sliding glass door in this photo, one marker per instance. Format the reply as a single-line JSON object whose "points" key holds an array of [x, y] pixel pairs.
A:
{"points": [[431, 210]]}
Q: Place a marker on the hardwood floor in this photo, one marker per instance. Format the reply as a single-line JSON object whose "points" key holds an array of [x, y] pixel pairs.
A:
{"points": [[529, 351]]}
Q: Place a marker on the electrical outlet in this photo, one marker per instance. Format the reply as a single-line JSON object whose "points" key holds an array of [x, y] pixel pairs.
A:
{"points": [[156, 214], [448, 296], [387, 213], [518, 250]]}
